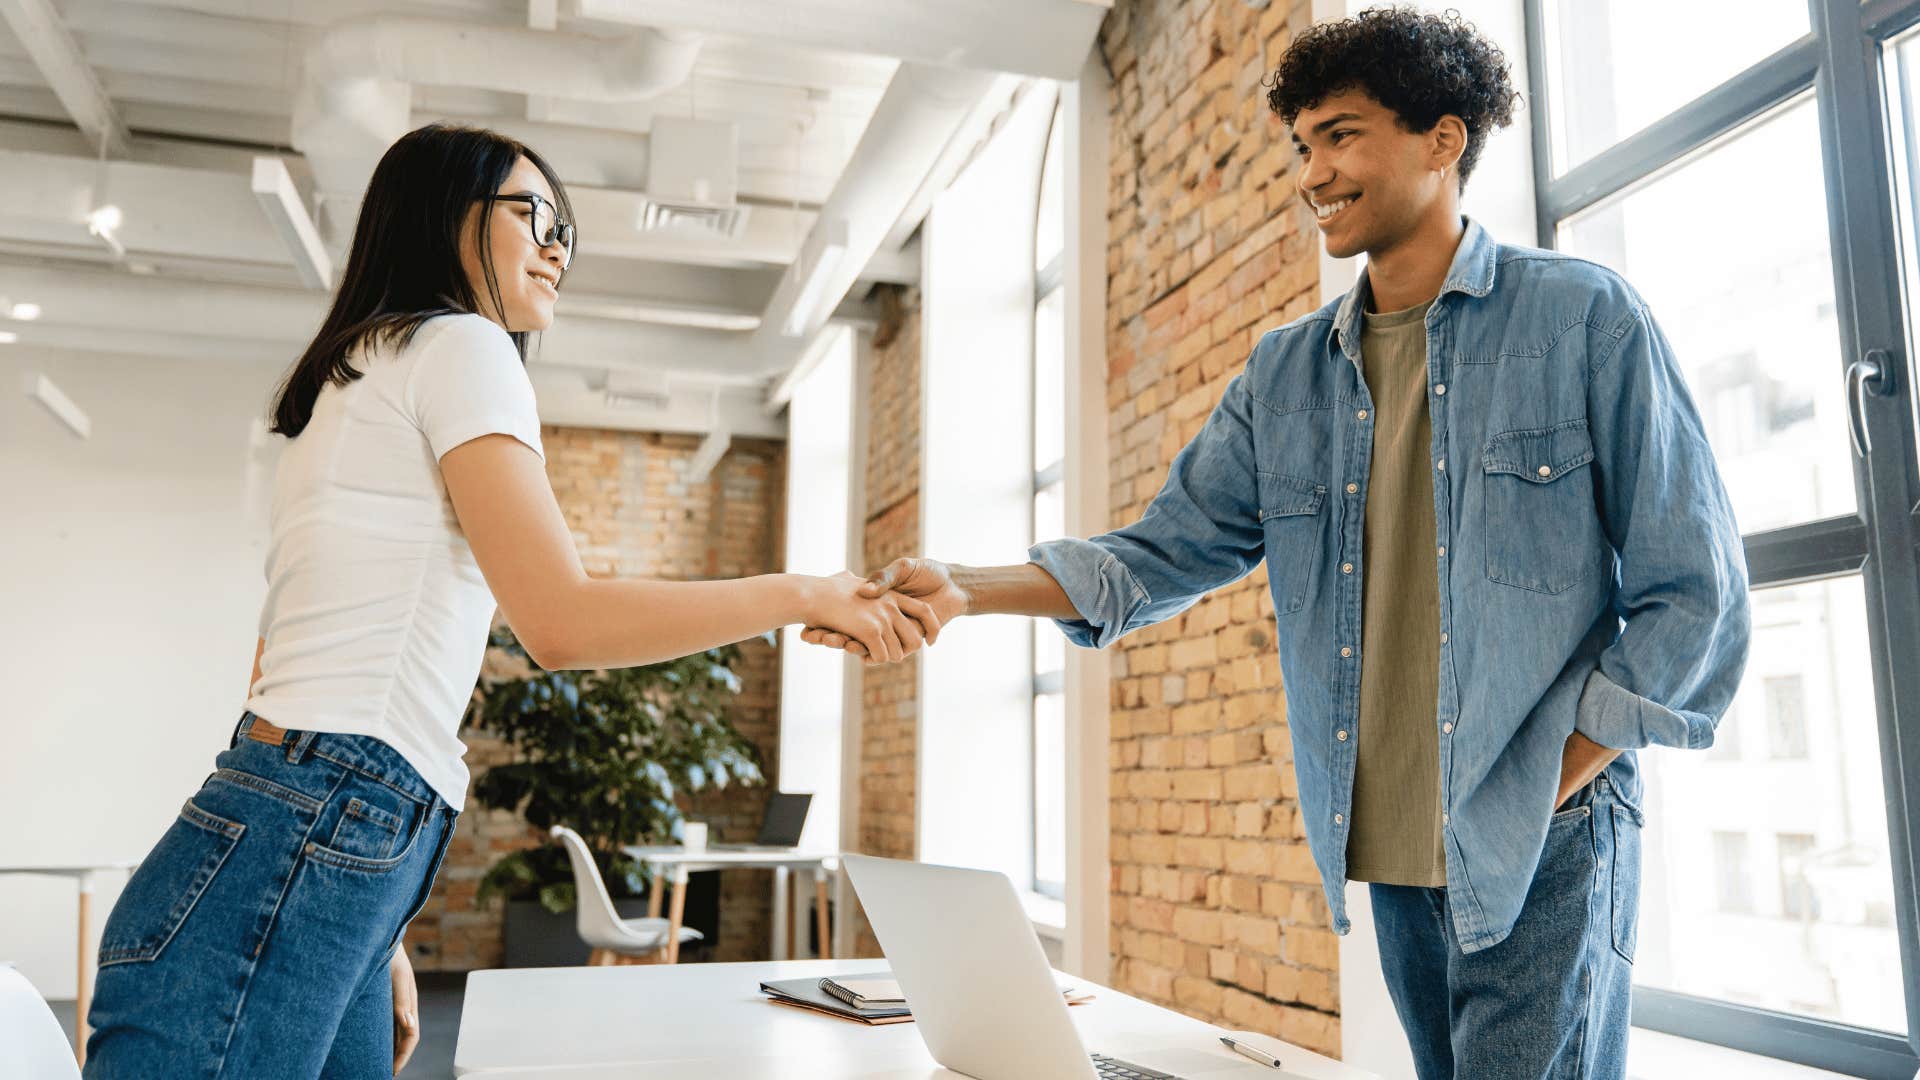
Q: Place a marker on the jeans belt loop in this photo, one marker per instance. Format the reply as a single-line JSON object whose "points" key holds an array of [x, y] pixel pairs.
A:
{"points": [[298, 745]]}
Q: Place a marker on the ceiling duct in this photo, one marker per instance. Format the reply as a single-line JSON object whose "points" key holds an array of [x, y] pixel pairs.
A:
{"points": [[356, 95], [693, 178]]}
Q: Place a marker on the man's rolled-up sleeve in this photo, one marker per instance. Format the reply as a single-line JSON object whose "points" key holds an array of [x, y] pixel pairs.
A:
{"points": [[1682, 591], [1202, 531]]}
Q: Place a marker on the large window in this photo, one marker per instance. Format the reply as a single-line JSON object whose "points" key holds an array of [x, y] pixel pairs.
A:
{"points": [[813, 681], [976, 793], [1049, 520], [1729, 158]]}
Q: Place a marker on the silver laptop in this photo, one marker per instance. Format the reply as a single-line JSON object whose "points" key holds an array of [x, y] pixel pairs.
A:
{"points": [[981, 991]]}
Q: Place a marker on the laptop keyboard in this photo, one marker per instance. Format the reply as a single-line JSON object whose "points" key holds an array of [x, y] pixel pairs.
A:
{"points": [[1114, 1069]]}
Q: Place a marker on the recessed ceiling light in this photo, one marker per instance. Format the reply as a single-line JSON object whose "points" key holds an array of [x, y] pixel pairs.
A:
{"points": [[26, 312], [8, 337]]}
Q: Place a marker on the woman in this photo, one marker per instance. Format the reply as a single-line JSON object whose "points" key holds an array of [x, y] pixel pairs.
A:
{"points": [[258, 939]]}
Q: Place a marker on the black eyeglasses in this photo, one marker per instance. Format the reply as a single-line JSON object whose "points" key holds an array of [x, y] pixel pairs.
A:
{"points": [[545, 224]]}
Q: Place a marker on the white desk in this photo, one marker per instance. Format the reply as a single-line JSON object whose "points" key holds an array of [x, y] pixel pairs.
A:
{"points": [[82, 874], [677, 862], [710, 1020]]}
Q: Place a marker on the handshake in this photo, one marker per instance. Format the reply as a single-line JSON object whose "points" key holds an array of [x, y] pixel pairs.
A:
{"points": [[887, 616]]}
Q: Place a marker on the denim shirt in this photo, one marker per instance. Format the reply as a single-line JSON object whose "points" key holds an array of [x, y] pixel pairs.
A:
{"points": [[1591, 575]]}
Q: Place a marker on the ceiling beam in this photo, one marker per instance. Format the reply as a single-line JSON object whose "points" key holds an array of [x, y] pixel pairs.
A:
{"points": [[57, 54], [913, 124], [280, 199], [1052, 39]]}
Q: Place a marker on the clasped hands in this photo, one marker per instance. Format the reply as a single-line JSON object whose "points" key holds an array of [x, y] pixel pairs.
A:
{"points": [[887, 616]]}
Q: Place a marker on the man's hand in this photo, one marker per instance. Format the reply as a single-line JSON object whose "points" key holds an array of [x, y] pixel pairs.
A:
{"points": [[406, 1008], [1581, 761], [927, 580]]}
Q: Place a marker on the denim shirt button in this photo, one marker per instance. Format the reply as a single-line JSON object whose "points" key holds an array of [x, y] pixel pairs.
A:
{"points": [[1341, 735], [1346, 568], [1447, 727], [1353, 489], [1362, 414], [1443, 465], [1443, 637], [1339, 819], [1346, 651], [1443, 551], [1440, 390], [1545, 470]]}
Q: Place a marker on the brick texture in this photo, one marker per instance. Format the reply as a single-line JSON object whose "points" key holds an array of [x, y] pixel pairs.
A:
{"points": [[890, 694], [1216, 906], [634, 513]]}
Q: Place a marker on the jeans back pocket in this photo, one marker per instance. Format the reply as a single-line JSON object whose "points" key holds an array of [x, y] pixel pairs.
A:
{"points": [[162, 893]]}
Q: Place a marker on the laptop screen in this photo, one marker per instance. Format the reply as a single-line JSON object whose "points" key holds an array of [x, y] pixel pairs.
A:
{"points": [[786, 816]]}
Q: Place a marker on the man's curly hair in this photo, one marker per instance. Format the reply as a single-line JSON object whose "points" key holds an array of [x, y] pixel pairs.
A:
{"points": [[1421, 66]]}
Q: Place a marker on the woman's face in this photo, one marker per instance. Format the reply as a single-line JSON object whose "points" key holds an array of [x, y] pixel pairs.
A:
{"points": [[528, 274]]}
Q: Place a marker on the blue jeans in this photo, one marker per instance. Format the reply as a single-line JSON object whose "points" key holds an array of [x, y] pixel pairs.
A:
{"points": [[253, 941], [1549, 1002]]}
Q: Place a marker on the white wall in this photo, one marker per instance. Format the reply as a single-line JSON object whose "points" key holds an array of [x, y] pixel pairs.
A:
{"points": [[132, 584]]}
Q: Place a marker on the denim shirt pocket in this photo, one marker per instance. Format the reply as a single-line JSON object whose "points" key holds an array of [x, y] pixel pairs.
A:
{"points": [[1290, 515], [1541, 523]]}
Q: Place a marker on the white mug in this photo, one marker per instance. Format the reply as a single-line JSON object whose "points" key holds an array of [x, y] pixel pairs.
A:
{"points": [[693, 835]]}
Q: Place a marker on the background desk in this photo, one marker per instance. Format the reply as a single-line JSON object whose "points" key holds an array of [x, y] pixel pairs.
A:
{"points": [[677, 862], [82, 876], [710, 1020]]}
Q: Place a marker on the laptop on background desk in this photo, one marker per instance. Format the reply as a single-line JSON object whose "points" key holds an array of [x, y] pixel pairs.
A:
{"points": [[781, 823]]}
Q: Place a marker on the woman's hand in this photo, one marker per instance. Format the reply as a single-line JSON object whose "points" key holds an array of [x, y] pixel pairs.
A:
{"points": [[922, 579], [406, 1008], [889, 627]]}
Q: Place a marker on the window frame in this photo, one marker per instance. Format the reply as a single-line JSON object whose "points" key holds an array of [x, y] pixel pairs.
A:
{"points": [[1841, 61], [1047, 280]]}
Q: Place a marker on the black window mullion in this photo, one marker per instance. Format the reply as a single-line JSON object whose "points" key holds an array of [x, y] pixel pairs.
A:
{"points": [[1839, 58], [1763, 87], [1805, 1040], [1546, 228], [1882, 19], [1809, 552], [1867, 279]]}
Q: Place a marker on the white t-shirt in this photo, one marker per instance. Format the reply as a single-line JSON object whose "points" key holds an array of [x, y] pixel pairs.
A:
{"points": [[376, 614]]}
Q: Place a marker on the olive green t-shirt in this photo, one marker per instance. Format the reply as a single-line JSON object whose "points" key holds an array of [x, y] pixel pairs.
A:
{"points": [[1394, 837]]}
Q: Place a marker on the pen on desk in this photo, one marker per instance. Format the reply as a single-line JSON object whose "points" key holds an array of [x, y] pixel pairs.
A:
{"points": [[1249, 1052]]}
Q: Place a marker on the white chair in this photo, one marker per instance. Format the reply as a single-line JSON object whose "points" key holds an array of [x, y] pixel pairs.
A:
{"points": [[32, 1046], [614, 940]]}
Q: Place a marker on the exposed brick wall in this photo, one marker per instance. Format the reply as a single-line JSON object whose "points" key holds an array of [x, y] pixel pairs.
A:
{"points": [[633, 513], [890, 693], [1216, 906]]}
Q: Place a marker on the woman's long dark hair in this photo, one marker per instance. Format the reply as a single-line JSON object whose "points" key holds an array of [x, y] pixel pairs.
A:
{"points": [[405, 264]]}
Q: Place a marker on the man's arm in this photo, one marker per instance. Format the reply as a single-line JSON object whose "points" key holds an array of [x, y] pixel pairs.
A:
{"points": [[258, 649], [1682, 594]]}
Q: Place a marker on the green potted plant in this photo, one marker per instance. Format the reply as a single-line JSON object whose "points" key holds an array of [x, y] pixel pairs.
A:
{"points": [[611, 755]]}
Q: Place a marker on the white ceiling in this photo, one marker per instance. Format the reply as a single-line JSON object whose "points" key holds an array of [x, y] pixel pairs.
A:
{"points": [[202, 87]]}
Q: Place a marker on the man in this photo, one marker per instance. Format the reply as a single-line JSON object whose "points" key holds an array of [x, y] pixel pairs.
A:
{"points": [[1500, 557]]}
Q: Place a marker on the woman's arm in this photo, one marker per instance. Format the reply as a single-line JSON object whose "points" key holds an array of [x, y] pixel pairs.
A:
{"points": [[566, 619]]}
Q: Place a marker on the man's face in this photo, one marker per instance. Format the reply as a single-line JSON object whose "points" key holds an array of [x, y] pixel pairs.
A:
{"points": [[1368, 180]]}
